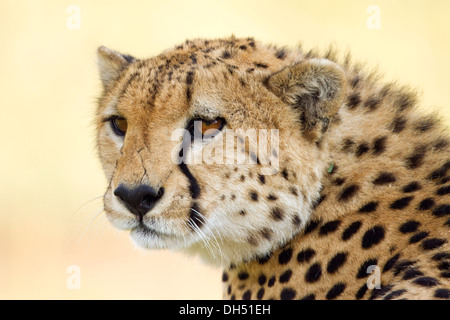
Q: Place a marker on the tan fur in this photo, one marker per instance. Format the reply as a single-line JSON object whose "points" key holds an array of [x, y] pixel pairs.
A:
{"points": [[354, 154]]}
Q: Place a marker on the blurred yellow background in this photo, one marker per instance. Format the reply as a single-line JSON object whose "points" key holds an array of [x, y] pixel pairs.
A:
{"points": [[51, 179]]}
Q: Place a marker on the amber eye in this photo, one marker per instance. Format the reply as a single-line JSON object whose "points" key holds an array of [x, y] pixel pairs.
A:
{"points": [[207, 128], [119, 125]]}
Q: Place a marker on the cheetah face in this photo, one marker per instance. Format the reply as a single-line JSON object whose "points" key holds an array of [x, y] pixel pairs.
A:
{"points": [[204, 156]]}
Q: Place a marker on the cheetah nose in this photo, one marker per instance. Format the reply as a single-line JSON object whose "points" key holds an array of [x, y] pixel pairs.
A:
{"points": [[139, 200]]}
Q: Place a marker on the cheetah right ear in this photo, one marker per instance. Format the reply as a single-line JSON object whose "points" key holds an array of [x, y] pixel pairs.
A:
{"points": [[315, 89], [111, 63]]}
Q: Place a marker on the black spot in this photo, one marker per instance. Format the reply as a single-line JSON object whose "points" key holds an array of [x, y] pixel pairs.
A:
{"points": [[261, 65], [329, 227], [415, 160], [440, 144], [339, 181], [285, 256], [447, 223], [254, 195], [193, 58], [262, 179], [433, 243], [247, 295], [444, 266], [426, 282], [442, 294], [384, 178], [426, 204], [266, 233], [442, 210], [260, 294], [405, 100], [335, 291], [314, 273], [410, 226], [354, 82], [353, 100], [441, 256], [226, 54], [311, 227], [293, 191], [336, 262], [398, 125], [390, 263], [224, 277], [285, 174], [362, 271], [351, 230], [263, 259], [369, 207], [309, 297], [439, 173], [379, 145], [347, 145], [362, 149], [372, 103], [262, 279], [296, 221], [242, 212], [305, 255], [401, 203], [243, 47], [288, 294], [394, 294], [411, 187], [243, 275], [380, 292], [372, 237], [280, 54], [445, 274], [319, 201], [277, 214], [348, 192], [418, 237], [361, 292], [411, 273], [271, 282], [271, 197], [285, 276], [443, 191], [425, 125]]}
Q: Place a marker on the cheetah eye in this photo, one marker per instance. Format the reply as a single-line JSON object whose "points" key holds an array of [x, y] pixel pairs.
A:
{"points": [[119, 125], [207, 128]]}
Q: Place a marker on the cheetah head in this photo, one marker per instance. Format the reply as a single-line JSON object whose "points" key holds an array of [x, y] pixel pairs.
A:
{"points": [[214, 147]]}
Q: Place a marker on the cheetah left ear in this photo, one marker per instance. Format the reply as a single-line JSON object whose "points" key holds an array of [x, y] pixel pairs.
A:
{"points": [[315, 88], [110, 64]]}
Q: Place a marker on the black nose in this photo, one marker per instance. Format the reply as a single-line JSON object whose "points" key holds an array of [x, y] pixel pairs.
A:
{"points": [[139, 200]]}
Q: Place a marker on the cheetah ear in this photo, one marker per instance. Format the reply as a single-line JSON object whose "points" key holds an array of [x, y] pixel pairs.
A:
{"points": [[110, 64], [315, 88]]}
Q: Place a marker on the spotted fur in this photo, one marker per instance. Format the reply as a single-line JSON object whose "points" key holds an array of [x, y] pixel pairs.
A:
{"points": [[311, 230]]}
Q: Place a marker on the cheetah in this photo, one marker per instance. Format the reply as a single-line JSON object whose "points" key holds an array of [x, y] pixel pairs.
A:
{"points": [[356, 207]]}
